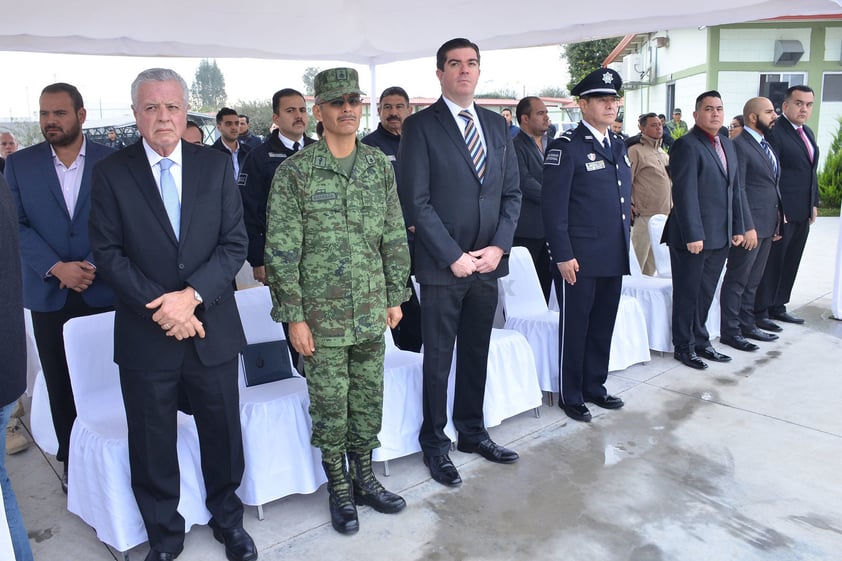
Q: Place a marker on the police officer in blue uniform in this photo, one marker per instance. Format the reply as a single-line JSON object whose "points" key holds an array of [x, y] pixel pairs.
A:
{"points": [[587, 210]]}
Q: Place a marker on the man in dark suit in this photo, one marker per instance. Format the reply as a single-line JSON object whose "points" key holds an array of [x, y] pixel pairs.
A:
{"points": [[587, 213], [530, 144], [758, 177], [51, 185], [706, 219], [166, 228], [228, 125], [796, 147], [459, 185], [13, 359]]}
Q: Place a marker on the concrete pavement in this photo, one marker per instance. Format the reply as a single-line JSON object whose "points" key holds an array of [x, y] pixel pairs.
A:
{"points": [[739, 462]]}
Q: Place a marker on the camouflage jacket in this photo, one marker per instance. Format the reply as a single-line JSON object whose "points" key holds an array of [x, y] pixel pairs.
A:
{"points": [[336, 253]]}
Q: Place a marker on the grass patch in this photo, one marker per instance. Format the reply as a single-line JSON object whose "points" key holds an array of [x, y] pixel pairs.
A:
{"points": [[828, 211]]}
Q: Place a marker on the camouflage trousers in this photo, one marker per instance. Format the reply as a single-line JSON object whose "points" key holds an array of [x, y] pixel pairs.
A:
{"points": [[346, 397]]}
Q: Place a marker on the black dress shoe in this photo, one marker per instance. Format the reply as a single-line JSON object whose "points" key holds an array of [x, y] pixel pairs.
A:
{"points": [[443, 470], [690, 359], [738, 342], [155, 555], [712, 354], [238, 544], [489, 450], [785, 317], [606, 401], [63, 479], [759, 335], [578, 412], [763, 323]]}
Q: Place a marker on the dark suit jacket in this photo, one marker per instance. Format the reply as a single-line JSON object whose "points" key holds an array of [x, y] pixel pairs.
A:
{"points": [[759, 185], [139, 256], [12, 332], [47, 233], [451, 210], [587, 203], [706, 201], [530, 163], [799, 185]]}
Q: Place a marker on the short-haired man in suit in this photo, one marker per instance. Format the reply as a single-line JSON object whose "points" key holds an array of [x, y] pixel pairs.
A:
{"points": [[8, 146], [706, 219], [167, 231], [587, 213], [246, 136], [530, 144], [758, 174], [228, 125], [51, 184], [289, 113], [459, 184], [796, 147]]}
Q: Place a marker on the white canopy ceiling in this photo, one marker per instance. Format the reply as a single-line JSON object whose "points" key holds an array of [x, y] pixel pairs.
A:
{"points": [[359, 31]]}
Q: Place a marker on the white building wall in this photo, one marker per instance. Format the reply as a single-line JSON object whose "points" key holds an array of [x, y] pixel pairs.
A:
{"points": [[737, 88], [758, 45], [686, 92], [687, 48], [833, 44]]}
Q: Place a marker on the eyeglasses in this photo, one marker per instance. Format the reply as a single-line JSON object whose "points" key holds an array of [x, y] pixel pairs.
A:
{"points": [[732, 127], [352, 100]]}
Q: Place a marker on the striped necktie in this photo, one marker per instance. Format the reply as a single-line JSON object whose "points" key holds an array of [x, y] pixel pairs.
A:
{"points": [[717, 145], [170, 195], [770, 155], [475, 147]]}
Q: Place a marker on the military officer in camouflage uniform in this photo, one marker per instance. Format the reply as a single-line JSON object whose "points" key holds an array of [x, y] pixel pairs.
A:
{"points": [[336, 263]]}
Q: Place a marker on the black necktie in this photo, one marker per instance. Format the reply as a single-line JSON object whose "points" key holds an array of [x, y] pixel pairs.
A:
{"points": [[295, 147], [607, 146]]}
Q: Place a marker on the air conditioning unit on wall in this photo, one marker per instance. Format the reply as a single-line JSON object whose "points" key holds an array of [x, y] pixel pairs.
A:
{"points": [[787, 52]]}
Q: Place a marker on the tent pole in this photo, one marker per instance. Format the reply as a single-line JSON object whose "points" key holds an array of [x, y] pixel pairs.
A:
{"points": [[373, 117]]}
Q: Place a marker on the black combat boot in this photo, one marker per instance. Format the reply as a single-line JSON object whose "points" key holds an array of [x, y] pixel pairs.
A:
{"points": [[369, 491], [343, 511]]}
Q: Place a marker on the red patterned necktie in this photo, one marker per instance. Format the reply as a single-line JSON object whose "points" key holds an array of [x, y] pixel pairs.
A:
{"points": [[717, 145], [806, 140]]}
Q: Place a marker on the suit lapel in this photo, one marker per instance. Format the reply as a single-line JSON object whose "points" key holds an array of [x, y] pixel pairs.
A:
{"points": [[762, 153], [189, 187], [708, 145], [51, 180], [142, 173], [451, 129], [85, 186]]}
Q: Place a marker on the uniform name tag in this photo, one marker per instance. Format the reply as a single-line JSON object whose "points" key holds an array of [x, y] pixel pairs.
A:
{"points": [[553, 157], [280, 155], [593, 166], [323, 196]]}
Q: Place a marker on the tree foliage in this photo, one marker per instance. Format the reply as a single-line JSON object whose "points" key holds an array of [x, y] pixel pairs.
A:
{"points": [[208, 90], [308, 78], [587, 56], [830, 179], [505, 93], [553, 91], [259, 112]]}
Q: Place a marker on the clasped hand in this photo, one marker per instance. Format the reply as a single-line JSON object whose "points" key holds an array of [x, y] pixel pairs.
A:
{"points": [[175, 314], [483, 260], [75, 275]]}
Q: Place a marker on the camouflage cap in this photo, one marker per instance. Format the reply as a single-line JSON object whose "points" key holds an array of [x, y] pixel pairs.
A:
{"points": [[333, 83]]}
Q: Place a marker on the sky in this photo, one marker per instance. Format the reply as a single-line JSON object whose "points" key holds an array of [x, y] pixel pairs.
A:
{"points": [[104, 81]]}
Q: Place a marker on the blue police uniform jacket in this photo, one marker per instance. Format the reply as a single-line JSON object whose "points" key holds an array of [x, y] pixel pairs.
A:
{"points": [[586, 203]]}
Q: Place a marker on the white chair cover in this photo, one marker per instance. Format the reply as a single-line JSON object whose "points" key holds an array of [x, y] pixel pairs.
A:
{"points": [[659, 250], [511, 385], [275, 418], [523, 294], [40, 418], [99, 480], [402, 404]]}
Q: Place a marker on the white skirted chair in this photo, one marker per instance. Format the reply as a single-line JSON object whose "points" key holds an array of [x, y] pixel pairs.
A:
{"points": [[528, 313], [403, 413], [275, 418], [511, 386], [99, 480], [660, 250]]}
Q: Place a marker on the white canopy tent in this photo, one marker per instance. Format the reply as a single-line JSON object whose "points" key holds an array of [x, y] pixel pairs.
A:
{"points": [[360, 31]]}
